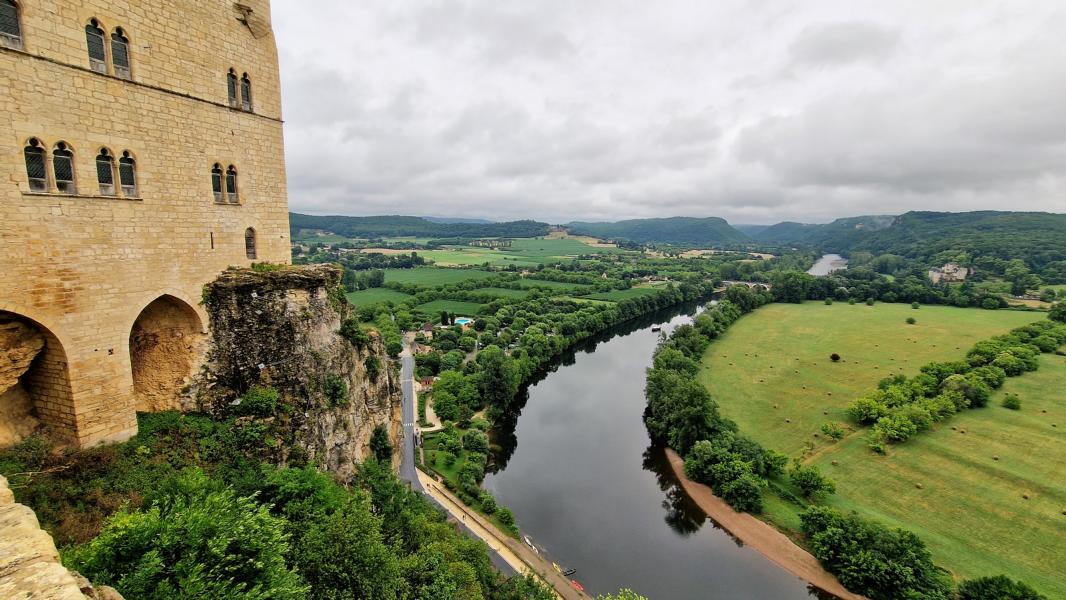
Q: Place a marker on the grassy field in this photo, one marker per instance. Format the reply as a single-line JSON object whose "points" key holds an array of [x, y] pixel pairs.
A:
{"points": [[376, 296], [555, 285], [432, 276], [455, 307], [619, 295], [313, 236], [969, 508], [502, 292], [779, 356]]}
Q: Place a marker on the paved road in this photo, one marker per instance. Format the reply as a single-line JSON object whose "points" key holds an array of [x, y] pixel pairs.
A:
{"points": [[408, 472]]}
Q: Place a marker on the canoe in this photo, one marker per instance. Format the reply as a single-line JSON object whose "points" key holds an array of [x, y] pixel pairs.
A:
{"points": [[577, 586]]}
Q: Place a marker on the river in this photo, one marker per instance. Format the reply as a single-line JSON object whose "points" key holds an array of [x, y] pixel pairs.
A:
{"points": [[587, 487], [827, 264]]}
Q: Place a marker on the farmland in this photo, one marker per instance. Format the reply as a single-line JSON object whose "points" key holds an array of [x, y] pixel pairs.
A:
{"points": [[376, 296], [454, 307], [502, 292], [430, 276], [962, 493]]}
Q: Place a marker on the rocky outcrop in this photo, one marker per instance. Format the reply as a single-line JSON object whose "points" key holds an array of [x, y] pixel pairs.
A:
{"points": [[29, 562], [280, 329], [20, 343]]}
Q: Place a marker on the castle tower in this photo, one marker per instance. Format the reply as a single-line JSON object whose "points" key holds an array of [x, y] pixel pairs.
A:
{"points": [[140, 155]]}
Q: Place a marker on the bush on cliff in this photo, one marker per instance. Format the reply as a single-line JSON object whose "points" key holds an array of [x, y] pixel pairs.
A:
{"points": [[197, 540]]}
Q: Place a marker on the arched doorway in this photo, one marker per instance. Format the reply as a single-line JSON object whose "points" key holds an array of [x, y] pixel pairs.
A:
{"points": [[166, 346], [34, 381]]}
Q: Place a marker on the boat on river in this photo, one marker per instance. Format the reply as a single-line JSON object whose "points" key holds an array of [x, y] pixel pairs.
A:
{"points": [[577, 586], [529, 542]]}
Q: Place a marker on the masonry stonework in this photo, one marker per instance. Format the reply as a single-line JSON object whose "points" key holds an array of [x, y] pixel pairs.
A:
{"points": [[95, 274]]}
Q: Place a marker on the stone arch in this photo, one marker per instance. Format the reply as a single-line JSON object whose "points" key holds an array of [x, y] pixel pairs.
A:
{"points": [[167, 343], [34, 381]]}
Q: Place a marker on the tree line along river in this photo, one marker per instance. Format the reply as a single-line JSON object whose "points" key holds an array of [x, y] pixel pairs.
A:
{"points": [[592, 493]]}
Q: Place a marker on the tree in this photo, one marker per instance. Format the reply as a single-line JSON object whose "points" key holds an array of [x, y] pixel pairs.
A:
{"points": [[999, 587], [624, 594], [196, 540], [811, 482], [1058, 312], [380, 445], [497, 379], [343, 556]]}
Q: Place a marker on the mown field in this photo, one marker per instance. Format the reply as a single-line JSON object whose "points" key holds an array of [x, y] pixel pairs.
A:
{"points": [[454, 307], [376, 296], [969, 507], [619, 295], [432, 276], [555, 285]]}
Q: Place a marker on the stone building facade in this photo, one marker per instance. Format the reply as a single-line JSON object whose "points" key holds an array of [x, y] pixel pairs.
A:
{"points": [[141, 155]]}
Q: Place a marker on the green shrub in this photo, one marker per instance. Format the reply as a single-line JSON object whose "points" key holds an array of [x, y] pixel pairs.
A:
{"points": [[911, 320], [812, 484], [999, 587], [488, 503], [828, 301], [197, 541], [1012, 401], [372, 364], [351, 331], [833, 430], [915, 305], [380, 445], [259, 402], [870, 302], [336, 390]]}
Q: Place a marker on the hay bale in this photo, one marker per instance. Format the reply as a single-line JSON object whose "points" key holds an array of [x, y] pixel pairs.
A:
{"points": [[953, 428], [962, 431], [788, 420], [918, 485], [830, 393], [775, 406], [995, 457], [1025, 496], [834, 463], [825, 412]]}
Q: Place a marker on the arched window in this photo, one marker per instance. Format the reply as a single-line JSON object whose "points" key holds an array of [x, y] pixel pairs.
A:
{"points": [[10, 27], [231, 184], [63, 168], [246, 93], [120, 54], [105, 172], [216, 181], [127, 174], [36, 169], [249, 243], [231, 87], [94, 37]]}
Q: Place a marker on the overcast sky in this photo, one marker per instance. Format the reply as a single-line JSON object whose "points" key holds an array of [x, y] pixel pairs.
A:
{"points": [[755, 111]]}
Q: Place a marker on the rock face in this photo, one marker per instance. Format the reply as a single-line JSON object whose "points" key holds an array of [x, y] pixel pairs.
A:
{"points": [[20, 343], [280, 329], [29, 562]]}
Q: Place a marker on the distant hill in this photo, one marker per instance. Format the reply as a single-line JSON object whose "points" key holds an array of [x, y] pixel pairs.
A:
{"points": [[399, 226], [672, 230], [833, 237], [1037, 238], [749, 230], [458, 220]]}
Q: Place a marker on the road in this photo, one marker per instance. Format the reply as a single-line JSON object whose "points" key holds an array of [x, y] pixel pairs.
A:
{"points": [[409, 472]]}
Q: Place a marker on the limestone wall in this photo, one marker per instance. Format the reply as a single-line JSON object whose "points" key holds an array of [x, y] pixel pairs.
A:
{"points": [[281, 330], [29, 561], [83, 267]]}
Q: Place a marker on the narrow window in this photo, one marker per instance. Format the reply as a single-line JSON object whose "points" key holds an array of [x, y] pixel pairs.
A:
{"points": [[212, 240], [105, 172], [120, 54], [231, 85], [35, 167], [249, 243], [10, 28], [63, 167], [246, 93], [216, 181], [94, 36], [231, 184], [127, 174]]}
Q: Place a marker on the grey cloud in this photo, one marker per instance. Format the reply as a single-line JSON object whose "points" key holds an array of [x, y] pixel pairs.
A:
{"points": [[841, 43]]}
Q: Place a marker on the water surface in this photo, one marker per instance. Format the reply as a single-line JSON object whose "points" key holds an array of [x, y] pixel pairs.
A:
{"points": [[585, 484], [827, 264]]}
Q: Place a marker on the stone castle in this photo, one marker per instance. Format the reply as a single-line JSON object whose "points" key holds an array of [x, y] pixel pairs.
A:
{"points": [[141, 156]]}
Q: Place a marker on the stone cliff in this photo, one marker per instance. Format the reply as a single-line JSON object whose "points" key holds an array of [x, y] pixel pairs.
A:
{"points": [[279, 329]]}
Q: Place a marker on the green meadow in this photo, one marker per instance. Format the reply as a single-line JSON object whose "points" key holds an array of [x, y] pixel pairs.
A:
{"points": [[961, 486], [454, 307], [376, 296], [432, 276]]}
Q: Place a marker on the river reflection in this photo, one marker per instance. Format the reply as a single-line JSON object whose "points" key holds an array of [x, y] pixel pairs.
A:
{"points": [[576, 466]]}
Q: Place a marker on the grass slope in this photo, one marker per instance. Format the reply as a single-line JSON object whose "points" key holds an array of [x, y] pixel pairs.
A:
{"points": [[754, 365], [376, 296], [454, 307], [969, 509]]}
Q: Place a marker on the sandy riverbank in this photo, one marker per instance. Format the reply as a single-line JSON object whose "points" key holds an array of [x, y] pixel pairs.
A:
{"points": [[759, 535]]}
